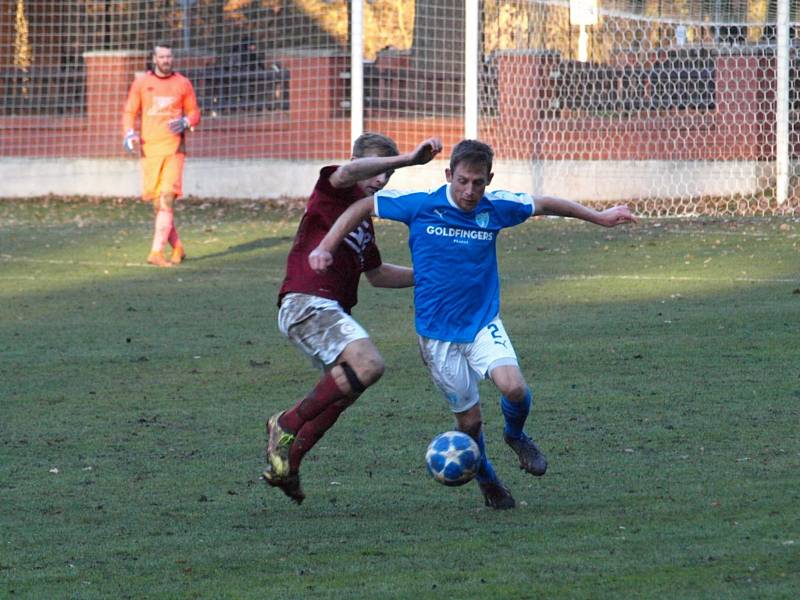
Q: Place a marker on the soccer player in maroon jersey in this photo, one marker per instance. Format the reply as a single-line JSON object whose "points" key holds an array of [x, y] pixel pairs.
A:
{"points": [[315, 307]]}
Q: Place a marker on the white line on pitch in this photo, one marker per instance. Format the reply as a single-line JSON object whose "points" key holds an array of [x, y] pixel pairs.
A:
{"points": [[741, 279], [744, 234]]}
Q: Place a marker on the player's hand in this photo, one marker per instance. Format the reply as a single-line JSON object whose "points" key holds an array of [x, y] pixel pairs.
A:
{"points": [[179, 125], [617, 215], [320, 260], [426, 151], [131, 141]]}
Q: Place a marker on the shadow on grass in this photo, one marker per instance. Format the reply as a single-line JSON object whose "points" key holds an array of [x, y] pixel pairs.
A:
{"points": [[246, 247]]}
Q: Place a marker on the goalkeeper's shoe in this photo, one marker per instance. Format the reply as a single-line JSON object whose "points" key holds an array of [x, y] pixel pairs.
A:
{"points": [[278, 444], [497, 496], [157, 259], [289, 485], [178, 255], [530, 457]]}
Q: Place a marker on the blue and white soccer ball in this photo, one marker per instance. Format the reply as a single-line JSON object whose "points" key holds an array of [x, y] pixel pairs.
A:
{"points": [[453, 458]]}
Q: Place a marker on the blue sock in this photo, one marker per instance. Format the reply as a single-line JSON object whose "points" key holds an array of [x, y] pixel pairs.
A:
{"points": [[515, 414], [486, 472]]}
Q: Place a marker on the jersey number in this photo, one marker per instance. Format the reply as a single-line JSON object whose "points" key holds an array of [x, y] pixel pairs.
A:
{"points": [[496, 335]]}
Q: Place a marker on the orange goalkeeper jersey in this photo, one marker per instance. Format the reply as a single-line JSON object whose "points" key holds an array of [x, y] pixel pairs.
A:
{"points": [[161, 99]]}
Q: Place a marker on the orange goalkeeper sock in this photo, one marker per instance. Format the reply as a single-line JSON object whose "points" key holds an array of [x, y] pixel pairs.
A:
{"points": [[173, 238], [178, 253], [312, 431]]}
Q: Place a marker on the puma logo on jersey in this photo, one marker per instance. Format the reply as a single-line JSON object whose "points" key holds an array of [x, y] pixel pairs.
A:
{"points": [[162, 105]]}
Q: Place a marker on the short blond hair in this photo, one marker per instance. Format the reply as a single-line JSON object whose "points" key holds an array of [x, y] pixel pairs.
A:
{"points": [[374, 143]]}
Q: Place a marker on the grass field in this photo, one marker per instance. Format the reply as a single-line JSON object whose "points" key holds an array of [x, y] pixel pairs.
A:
{"points": [[665, 365]]}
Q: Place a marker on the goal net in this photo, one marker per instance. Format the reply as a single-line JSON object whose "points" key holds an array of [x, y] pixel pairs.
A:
{"points": [[669, 104], [672, 104]]}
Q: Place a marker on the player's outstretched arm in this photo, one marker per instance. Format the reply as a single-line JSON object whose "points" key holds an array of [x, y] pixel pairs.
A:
{"points": [[321, 257], [391, 276], [369, 166], [611, 217]]}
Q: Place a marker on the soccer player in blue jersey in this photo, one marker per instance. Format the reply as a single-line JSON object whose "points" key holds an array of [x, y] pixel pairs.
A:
{"points": [[452, 235]]}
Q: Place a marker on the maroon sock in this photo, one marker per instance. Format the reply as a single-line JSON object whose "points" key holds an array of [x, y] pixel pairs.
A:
{"points": [[324, 393], [312, 431]]}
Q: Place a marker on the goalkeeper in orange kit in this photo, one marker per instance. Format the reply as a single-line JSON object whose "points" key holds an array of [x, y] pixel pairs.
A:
{"points": [[168, 106]]}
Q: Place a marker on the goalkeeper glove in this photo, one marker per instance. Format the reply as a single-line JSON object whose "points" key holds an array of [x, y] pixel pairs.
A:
{"points": [[131, 141], [179, 125]]}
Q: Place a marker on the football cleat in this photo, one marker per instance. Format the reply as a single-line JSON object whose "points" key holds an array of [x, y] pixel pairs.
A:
{"points": [[497, 496], [157, 259], [530, 457], [178, 255], [289, 485], [278, 444]]}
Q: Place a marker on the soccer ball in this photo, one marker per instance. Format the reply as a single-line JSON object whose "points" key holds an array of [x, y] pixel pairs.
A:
{"points": [[453, 458]]}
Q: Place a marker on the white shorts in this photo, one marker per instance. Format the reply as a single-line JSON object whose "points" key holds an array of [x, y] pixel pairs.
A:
{"points": [[457, 369], [318, 326]]}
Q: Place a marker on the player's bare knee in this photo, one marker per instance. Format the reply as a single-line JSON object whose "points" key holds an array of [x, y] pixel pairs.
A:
{"points": [[365, 361], [515, 393], [357, 377], [510, 382], [371, 369]]}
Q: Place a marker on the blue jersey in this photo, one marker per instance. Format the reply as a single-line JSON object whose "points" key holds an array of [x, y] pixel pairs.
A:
{"points": [[456, 284]]}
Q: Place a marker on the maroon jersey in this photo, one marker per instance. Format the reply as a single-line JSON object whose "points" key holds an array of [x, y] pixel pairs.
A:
{"points": [[358, 252]]}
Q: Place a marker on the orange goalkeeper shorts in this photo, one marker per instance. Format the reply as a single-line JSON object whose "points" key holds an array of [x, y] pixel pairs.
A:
{"points": [[162, 175]]}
